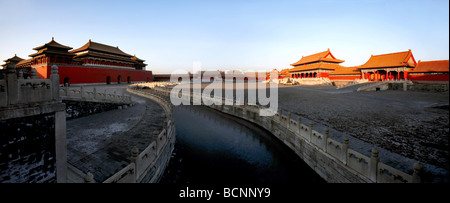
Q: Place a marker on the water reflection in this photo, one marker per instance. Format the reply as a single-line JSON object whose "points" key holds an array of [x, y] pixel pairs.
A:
{"points": [[213, 147]]}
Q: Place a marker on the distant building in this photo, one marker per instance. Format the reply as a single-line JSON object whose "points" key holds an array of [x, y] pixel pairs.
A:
{"points": [[26, 72], [393, 66], [315, 66], [92, 63], [284, 73], [14, 60]]}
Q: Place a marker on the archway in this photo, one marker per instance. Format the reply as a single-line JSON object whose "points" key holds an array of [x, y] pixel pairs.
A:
{"points": [[118, 79], [129, 79], [108, 80], [66, 82]]}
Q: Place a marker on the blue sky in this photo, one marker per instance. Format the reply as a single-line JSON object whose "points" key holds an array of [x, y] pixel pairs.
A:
{"points": [[247, 34]]}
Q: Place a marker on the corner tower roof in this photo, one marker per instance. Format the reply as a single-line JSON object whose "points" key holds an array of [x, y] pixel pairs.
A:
{"points": [[52, 48]]}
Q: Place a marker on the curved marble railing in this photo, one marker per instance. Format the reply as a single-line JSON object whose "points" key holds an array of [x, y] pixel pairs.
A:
{"points": [[80, 94]]}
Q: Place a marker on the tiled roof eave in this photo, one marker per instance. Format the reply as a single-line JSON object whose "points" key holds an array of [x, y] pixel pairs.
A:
{"points": [[44, 52], [428, 71], [317, 61], [310, 69], [99, 47], [85, 55]]}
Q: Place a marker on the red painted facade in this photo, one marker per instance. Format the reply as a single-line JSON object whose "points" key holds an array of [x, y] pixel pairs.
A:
{"points": [[344, 77], [430, 71], [428, 77], [79, 74], [323, 75]]}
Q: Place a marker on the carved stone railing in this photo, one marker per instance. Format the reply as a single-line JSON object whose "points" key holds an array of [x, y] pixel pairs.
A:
{"points": [[370, 168], [157, 154], [80, 94], [142, 163], [15, 90]]}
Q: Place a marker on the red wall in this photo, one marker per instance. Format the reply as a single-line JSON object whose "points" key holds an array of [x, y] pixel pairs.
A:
{"points": [[346, 77], [440, 77], [323, 75], [78, 74], [43, 72]]}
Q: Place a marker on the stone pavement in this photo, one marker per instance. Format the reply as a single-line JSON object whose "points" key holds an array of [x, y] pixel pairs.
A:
{"points": [[101, 143]]}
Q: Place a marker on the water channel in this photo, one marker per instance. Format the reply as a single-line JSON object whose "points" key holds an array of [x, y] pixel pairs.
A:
{"points": [[213, 147]]}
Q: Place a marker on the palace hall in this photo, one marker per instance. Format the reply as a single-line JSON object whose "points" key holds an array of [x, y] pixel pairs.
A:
{"points": [[91, 63]]}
